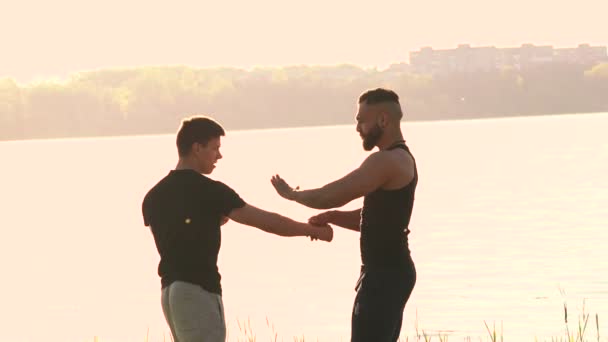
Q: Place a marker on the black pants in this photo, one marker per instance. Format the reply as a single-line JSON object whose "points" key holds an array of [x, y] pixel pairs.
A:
{"points": [[380, 301]]}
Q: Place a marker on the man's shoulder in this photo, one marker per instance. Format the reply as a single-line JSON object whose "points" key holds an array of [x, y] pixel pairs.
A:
{"points": [[186, 184], [387, 163], [154, 189], [166, 184], [186, 178], [208, 186], [390, 157], [378, 158], [221, 186]]}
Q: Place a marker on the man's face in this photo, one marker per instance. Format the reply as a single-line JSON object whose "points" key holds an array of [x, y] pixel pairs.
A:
{"points": [[208, 155], [368, 127]]}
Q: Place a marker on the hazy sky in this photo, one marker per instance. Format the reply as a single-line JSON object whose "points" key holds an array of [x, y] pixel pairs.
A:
{"points": [[43, 39]]}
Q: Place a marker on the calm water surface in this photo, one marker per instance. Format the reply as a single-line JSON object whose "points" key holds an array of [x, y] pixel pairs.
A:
{"points": [[510, 223]]}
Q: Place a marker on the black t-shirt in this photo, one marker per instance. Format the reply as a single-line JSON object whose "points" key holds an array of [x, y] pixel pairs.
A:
{"points": [[184, 212]]}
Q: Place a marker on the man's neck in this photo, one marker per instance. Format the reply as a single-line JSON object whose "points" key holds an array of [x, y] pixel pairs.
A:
{"points": [[185, 164], [389, 140]]}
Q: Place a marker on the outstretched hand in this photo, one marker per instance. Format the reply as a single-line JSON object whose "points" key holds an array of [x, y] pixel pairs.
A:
{"points": [[282, 188]]}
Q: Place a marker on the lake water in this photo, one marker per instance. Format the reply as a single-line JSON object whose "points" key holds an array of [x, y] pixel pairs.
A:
{"points": [[510, 223]]}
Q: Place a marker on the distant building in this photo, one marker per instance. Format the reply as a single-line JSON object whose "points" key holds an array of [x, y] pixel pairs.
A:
{"points": [[463, 59], [466, 59], [583, 54]]}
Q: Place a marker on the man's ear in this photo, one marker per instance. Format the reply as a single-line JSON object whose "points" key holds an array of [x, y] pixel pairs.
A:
{"points": [[196, 147], [382, 120]]}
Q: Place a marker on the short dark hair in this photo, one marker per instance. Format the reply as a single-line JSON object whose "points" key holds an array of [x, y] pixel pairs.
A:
{"points": [[378, 95], [196, 129]]}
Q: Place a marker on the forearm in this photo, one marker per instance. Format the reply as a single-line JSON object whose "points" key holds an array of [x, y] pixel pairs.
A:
{"points": [[274, 223], [283, 226], [315, 198], [347, 219]]}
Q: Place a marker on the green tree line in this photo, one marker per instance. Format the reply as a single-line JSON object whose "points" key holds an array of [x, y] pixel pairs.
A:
{"points": [[152, 100]]}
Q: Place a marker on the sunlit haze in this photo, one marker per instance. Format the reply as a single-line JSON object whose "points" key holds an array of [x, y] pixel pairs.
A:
{"points": [[53, 39]]}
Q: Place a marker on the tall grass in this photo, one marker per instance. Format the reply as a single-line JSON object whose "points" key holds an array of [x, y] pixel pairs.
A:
{"points": [[579, 330], [579, 333]]}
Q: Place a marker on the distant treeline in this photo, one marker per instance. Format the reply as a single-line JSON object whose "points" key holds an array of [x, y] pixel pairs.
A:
{"points": [[153, 99]]}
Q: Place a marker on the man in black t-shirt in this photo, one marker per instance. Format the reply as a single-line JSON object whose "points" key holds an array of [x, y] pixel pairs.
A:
{"points": [[184, 211]]}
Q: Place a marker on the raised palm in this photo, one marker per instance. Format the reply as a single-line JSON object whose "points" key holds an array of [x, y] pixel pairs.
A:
{"points": [[282, 188]]}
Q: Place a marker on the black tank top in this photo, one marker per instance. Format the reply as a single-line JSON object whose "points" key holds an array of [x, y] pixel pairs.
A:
{"points": [[385, 217]]}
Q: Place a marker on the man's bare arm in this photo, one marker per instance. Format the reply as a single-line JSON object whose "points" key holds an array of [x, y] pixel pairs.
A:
{"points": [[371, 175], [277, 224], [346, 219]]}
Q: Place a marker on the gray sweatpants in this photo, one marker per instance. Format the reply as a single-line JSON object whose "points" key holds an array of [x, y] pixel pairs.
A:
{"points": [[193, 314]]}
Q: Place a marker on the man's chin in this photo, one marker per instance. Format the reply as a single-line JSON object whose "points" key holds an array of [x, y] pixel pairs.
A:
{"points": [[368, 147], [209, 170]]}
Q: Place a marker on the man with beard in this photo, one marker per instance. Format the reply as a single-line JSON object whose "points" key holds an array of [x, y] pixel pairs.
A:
{"points": [[387, 180]]}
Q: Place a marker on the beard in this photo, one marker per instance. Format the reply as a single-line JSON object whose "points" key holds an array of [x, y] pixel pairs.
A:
{"points": [[371, 138]]}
